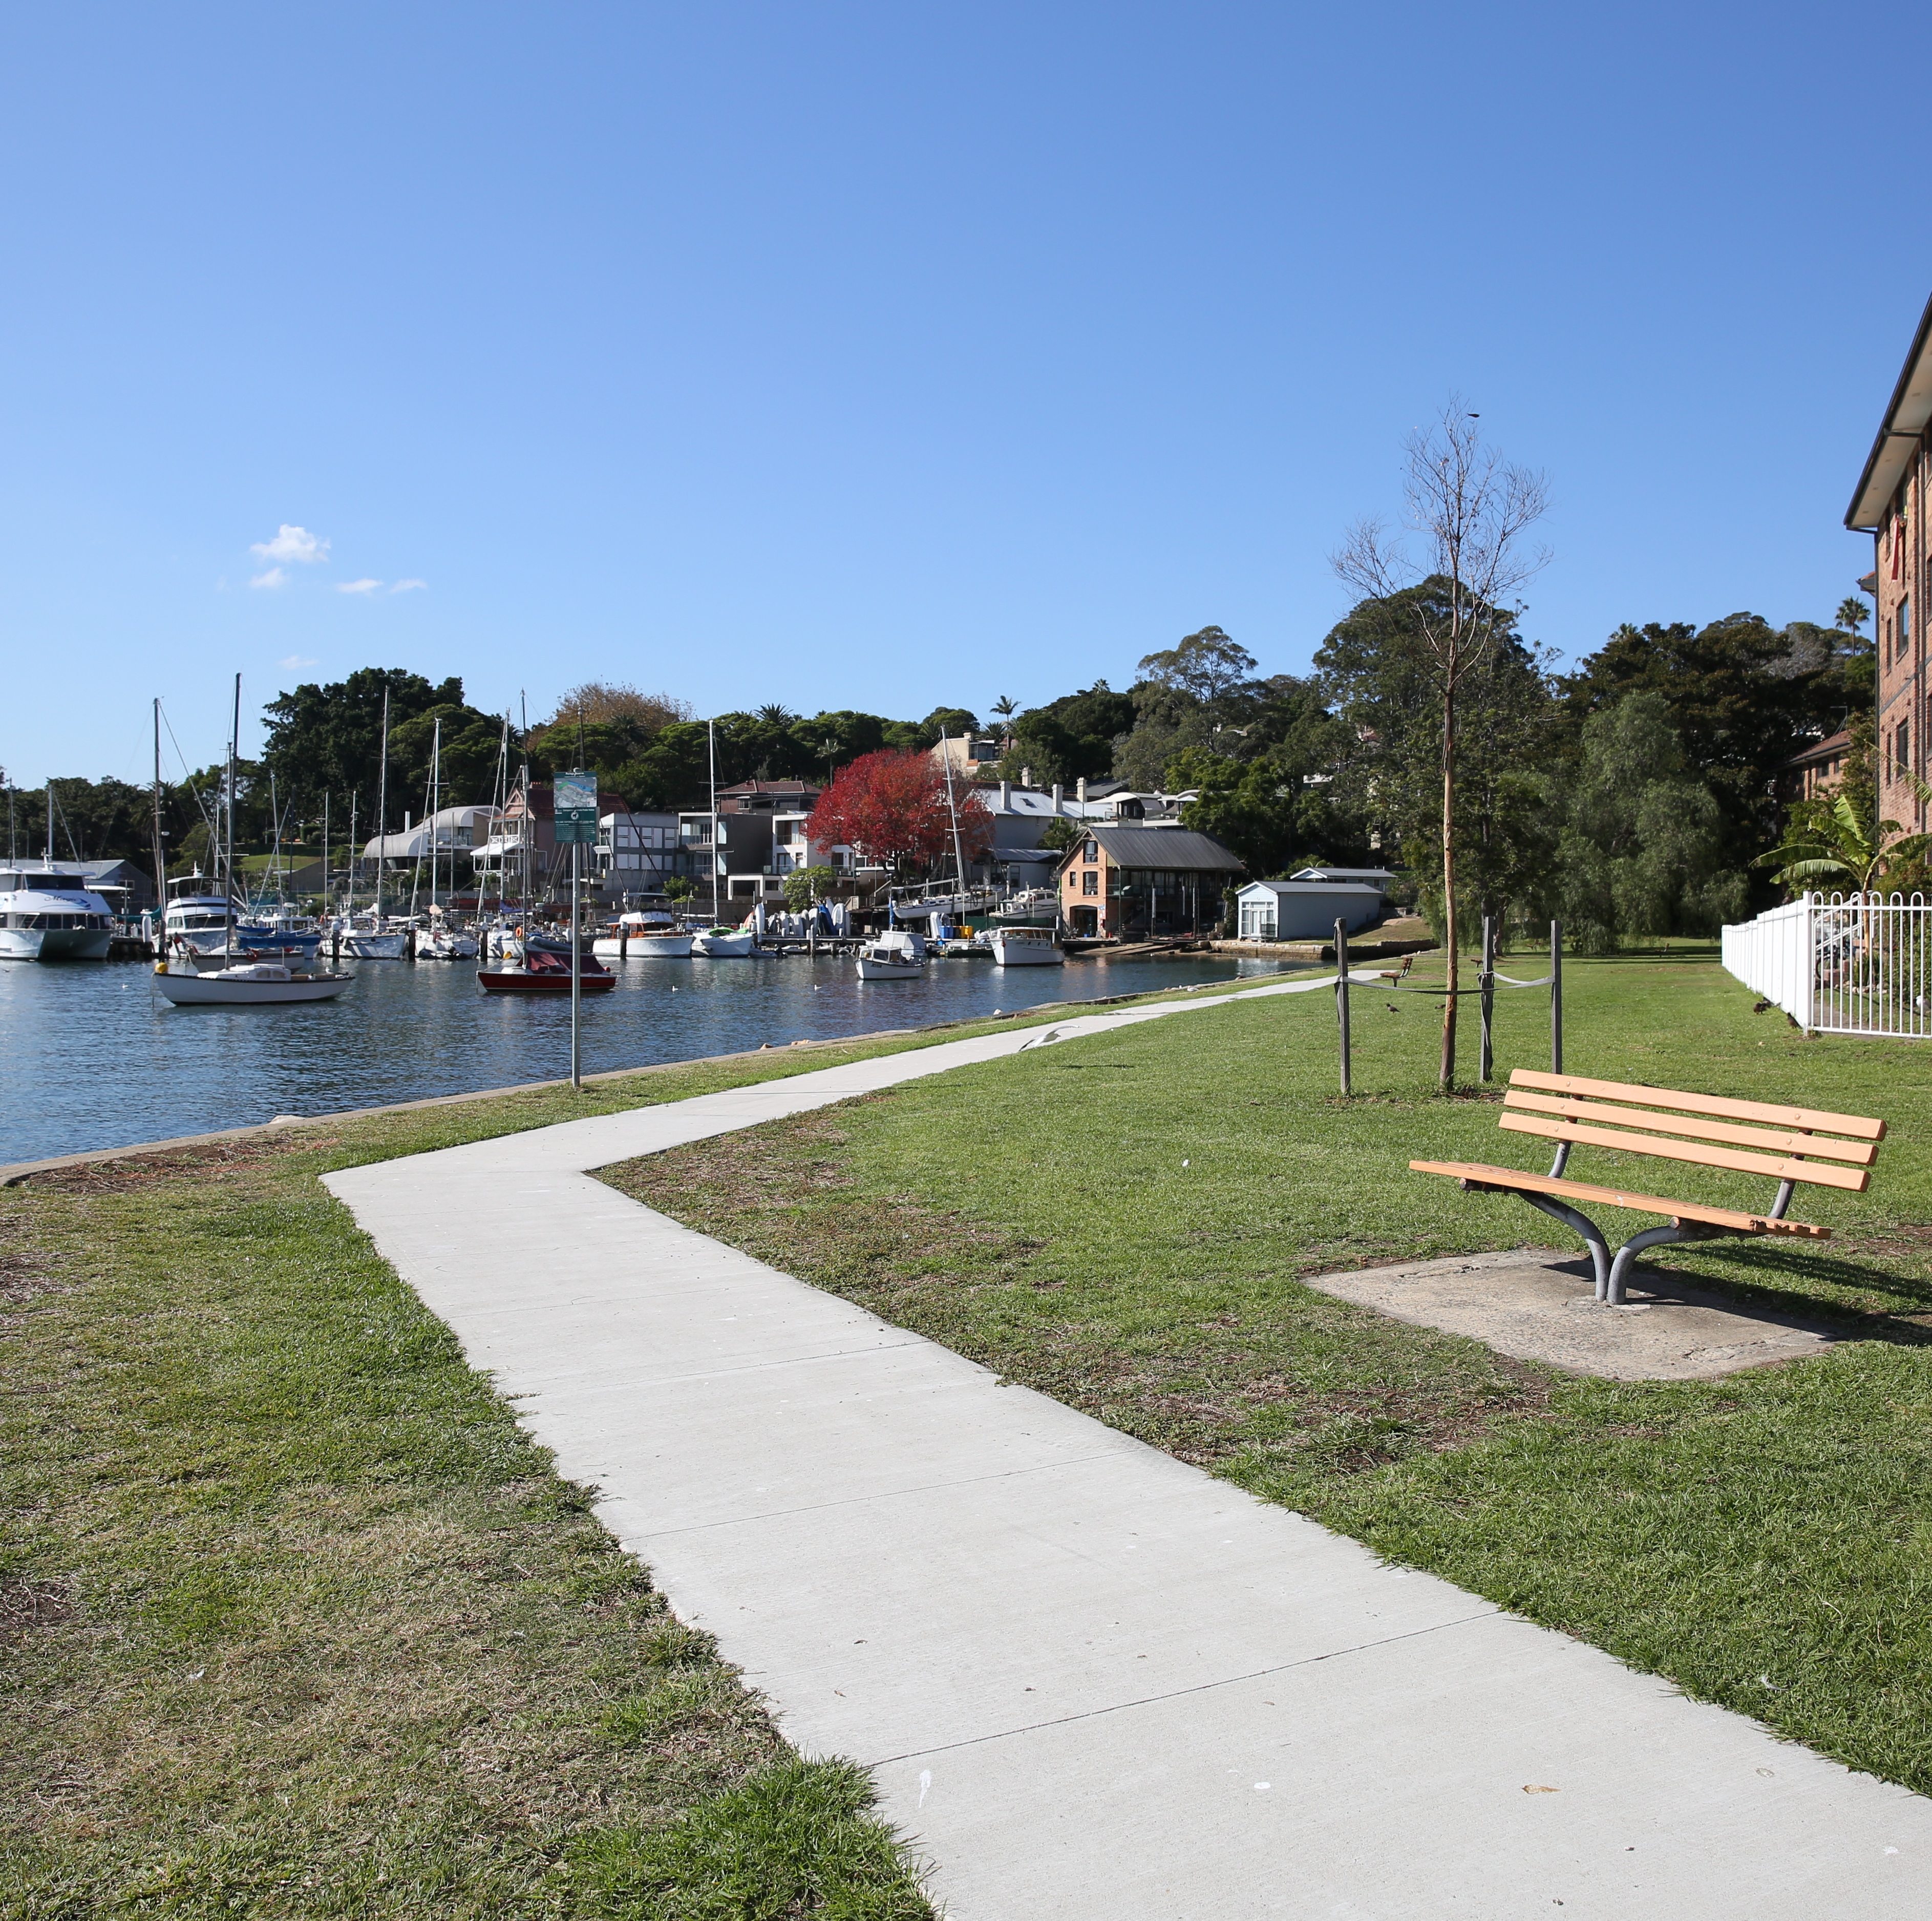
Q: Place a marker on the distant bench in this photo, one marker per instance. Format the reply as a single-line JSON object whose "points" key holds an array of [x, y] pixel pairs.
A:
{"points": [[1786, 1145]]}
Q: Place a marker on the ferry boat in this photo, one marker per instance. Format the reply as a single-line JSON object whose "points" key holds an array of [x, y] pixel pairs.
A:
{"points": [[45, 914]]}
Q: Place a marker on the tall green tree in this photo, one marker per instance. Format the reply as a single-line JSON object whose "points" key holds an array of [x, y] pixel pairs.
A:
{"points": [[328, 739]]}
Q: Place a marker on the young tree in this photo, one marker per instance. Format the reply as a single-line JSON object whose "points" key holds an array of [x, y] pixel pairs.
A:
{"points": [[893, 806], [1472, 509]]}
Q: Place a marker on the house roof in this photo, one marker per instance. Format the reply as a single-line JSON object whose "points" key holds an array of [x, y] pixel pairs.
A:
{"points": [[1833, 744], [1168, 848], [1281, 888], [1906, 417]]}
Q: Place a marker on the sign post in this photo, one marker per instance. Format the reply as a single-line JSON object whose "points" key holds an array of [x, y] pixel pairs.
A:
{"points": [[575, 796]]}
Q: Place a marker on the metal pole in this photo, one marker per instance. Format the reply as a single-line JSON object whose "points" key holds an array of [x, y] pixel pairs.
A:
{"points": [[576, 968], [1342, 995], [1486, 982], [1556, 997]]}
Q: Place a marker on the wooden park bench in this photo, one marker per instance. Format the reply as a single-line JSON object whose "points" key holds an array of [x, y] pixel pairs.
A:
{"points": [[1786, 1145]]}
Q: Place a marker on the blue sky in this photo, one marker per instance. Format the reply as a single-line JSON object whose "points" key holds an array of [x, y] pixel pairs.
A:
{"points": [[886, 356]]}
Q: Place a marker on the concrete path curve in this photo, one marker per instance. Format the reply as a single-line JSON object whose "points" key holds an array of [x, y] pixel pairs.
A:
{"points": [[1093, 1684]]}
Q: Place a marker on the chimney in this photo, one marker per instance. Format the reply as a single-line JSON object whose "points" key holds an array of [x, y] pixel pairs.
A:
{"points": [[1081, 791], [1005, 796], [1026, 776], [1059, 798]]}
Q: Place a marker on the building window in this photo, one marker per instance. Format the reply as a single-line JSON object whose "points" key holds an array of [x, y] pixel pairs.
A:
{"points": [[1089, 883], [1090, 853], [1901, 749]]}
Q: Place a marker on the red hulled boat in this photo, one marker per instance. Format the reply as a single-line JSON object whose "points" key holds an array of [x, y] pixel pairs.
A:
{"points": [[546, 971]]}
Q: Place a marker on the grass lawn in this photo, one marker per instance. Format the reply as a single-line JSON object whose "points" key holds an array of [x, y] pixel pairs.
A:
{"points": [[1122, 1222], [294, 1621]]}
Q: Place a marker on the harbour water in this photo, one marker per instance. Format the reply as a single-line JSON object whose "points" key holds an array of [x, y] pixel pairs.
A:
{"points": [[94, 1057]]}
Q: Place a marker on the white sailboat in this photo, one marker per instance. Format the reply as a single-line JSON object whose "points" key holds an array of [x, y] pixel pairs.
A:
{"points": [[376, 939], [243, 979]]}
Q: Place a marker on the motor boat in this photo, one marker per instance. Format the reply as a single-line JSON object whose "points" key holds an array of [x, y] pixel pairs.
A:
{"points": [[643, 937], [250, 983], [725, 943], [1030, 907], [896, 956], [375, 939], [545, 971], [197, 923], [1026, 947], [47, 915]]}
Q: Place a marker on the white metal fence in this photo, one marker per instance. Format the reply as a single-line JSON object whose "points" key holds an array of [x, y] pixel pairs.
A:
{"points": [[1847, 963]]}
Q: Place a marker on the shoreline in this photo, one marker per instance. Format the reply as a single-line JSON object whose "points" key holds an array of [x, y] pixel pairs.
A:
{"points": [[13, 1174]]}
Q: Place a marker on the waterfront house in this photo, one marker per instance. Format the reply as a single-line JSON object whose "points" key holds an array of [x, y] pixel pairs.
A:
{"points": [[1148, 880], [1819, 769], [1890, 504], [763, 835]]}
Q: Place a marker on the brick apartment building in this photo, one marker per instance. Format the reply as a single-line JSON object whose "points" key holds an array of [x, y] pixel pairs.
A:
{"points": [[1890, 504]]}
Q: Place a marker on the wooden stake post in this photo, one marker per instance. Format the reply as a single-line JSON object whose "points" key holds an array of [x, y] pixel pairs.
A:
{"points": [[1342, 995]]}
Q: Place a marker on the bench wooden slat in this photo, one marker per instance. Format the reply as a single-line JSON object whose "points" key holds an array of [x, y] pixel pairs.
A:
{"points": [[1860, 1127], [1857, 1179], [1859, 1154], [1509, 1180]]}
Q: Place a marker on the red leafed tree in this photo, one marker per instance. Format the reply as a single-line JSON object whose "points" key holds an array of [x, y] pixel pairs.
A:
{"points": [[892, 806]]}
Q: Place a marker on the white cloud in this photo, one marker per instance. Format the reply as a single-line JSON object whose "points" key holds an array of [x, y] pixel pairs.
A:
{"points": [[273, 577], [408, 586], [357, 587], [297, 660], [292, 543]]}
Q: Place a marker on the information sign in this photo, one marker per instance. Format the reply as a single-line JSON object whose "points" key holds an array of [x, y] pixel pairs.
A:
{"points": [[575, 794]]}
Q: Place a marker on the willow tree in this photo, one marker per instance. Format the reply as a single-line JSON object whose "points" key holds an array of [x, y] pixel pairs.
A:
{"points": [[1472, 509]]}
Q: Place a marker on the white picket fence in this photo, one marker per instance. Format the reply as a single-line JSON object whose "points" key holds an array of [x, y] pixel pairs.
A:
{"points": [[1847, 963]]}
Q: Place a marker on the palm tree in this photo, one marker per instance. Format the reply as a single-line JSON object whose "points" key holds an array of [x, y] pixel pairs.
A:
{"points": [[1004, 708], [776, 714], [1853, 613], [1840, 842]]}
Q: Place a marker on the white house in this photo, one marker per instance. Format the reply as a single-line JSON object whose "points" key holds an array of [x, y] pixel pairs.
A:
{"points": [[1306, 910]]}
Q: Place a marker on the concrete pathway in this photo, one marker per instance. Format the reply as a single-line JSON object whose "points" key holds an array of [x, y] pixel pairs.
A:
{"points": [[1093, 1683]]}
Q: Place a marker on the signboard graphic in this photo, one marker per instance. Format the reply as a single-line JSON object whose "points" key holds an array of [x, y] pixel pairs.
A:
{"points": [[575, 794]]}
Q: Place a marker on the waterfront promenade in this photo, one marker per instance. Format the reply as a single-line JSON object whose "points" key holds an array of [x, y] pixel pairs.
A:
{"points": [[1091, 1681]]}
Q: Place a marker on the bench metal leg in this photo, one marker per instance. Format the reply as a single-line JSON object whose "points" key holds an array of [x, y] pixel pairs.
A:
{"points": [[1579, 1223], [1654, 1236]]}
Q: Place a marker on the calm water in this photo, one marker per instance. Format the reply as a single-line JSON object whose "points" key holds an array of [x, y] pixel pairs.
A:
{"points": [[94, 1057]]}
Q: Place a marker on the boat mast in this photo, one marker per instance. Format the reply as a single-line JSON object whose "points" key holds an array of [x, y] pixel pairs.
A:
{"points": [[47, 860], [324, 854], [354, 861], [958, 860], [160, 859], [228, 892], [436, 807], [711, 740], [383, 809]]}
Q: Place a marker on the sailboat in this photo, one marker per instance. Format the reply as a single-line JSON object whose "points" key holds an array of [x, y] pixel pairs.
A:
{"points": [[378, 940], [242, 980]]}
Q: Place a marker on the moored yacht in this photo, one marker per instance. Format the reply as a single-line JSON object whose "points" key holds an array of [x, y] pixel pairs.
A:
{"points": [[45, 914]]}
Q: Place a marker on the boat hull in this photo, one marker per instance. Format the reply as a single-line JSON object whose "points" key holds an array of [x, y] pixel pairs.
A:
{"points": [[55, 943], [210, 990], [515, 980], [724, 947], [889, 970], [643, 947], [376, 947]]}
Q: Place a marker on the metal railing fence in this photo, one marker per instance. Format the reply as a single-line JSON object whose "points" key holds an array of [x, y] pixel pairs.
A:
{"points": [[1841, 963]]}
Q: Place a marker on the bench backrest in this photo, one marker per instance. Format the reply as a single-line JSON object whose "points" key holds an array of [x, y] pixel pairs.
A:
{"points": [[1751, 1136]]}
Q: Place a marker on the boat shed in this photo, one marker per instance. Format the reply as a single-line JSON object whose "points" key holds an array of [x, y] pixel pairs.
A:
{"points": [[1307, 910], [1151, 880]]}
